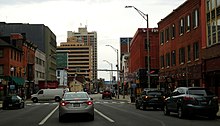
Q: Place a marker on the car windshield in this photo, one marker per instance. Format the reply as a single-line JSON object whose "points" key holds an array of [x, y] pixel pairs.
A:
{"points": [[75, 96], [201, 92]]}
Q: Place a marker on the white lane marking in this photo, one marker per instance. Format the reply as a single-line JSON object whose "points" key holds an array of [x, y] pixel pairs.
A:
{"points": [[104, 116], [47, 117]]}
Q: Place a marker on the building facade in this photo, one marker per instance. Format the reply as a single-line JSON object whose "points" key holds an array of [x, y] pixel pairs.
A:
{"points": [[79, 58], [17, 65], [138, 59], [40, 35], [40, 67], [211, 54], [182, 38], [88, 39]]}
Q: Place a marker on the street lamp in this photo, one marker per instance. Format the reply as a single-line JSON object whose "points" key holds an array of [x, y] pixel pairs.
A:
{"points": [[111, 73], [116, 50], [145, 16]]}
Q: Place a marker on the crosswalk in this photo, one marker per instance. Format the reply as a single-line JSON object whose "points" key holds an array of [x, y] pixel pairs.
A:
{"points": [[95, 102]]}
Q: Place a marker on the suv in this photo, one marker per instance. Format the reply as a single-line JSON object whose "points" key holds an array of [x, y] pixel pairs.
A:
{"points": [[106, 94], [189, 101], [150, 98]]}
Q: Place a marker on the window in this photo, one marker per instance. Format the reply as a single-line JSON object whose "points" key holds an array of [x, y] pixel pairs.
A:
{"points": [[188, 23], [58, 73], [1, 53], [162, 61], [209, 35], [1, 70], [173, 31], [162, 37], [167, 33], [218, 30], [208, 6], [218, 2], [213, 32], [213, 4], [196, 50], [181, 24], [11, 53], [173, 58], [188, 53], [181, 55], [195, 18], [167, 59]]}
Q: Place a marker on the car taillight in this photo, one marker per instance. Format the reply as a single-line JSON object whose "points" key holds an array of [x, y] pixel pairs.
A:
{"points": [[89, 102], [215, 98], [64, 103], [187, 98]]}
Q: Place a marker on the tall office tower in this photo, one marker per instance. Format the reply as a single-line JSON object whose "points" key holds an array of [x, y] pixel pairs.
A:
{"points": [[76, 57], [90, 39]]}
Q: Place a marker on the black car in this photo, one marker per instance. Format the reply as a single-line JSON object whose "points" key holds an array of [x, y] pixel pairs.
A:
{"points": [[12, 101], [189, 101], [150, 98]]}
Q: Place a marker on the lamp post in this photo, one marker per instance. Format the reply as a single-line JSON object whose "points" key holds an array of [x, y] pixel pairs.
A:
{"points": [[116, 50], [111, 73], [145, 16]]}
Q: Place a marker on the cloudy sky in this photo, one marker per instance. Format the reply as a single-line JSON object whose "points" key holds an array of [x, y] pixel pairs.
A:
{"points": [[109, 18]]}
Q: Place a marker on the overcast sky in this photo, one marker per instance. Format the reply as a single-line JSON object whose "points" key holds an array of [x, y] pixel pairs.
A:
{"points": [[109, 18]]}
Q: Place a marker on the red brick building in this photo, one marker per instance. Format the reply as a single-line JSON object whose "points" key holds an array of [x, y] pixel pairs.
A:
{"points": [[182, 38], [138, 56], [17, 58]]}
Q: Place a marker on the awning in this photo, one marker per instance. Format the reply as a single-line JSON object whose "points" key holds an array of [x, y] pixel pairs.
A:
{"points": [[18, 80]]}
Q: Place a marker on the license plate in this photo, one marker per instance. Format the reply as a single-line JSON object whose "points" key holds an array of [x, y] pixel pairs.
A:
{"points": [[76, 105], [203, 103], [10, 105]]}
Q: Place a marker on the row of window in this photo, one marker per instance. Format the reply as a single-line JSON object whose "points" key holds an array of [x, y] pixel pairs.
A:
{"points": [[40, 74], [15, 55], [184, 25], [184, 55], [40, 61]]}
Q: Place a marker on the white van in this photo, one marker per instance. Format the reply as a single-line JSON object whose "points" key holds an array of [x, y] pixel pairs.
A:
{"points": [[48, 94]]}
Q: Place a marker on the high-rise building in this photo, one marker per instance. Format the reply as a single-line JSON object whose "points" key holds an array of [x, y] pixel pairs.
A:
{"points": [[88, 39], [78, 58]]}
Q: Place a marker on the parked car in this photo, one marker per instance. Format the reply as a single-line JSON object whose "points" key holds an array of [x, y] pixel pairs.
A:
{"points": [[106, 94], [189, 101], [12, 101], [150, 98], [76, 103]]}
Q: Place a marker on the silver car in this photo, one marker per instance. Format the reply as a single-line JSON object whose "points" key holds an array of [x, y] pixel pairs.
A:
{"points": [[76, 103]]}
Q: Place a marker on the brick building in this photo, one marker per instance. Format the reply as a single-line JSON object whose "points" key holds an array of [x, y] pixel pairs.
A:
{"points": [[138, 56], [17, 58], [182, 38]]}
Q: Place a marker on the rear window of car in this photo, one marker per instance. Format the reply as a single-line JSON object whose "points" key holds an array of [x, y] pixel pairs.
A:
{"points": [[75, 95], [201, 92], [153, 93], [106, 92]]}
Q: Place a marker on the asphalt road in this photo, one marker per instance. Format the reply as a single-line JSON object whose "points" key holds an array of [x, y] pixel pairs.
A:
{"points": [[108, 112]]}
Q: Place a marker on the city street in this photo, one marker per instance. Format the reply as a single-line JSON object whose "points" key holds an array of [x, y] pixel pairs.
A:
{"points": [[108, 112]]}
